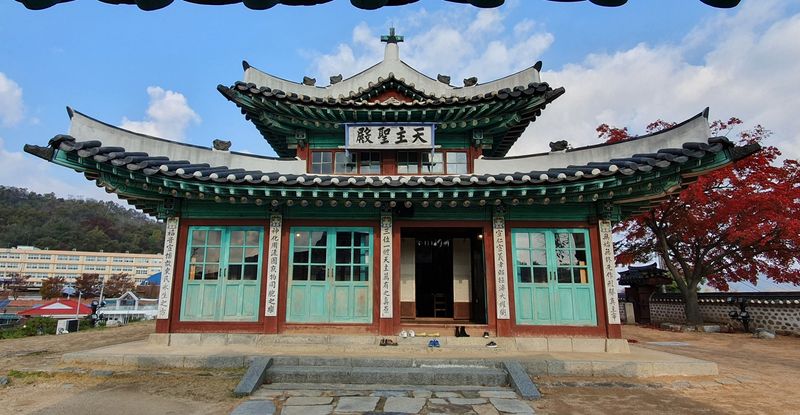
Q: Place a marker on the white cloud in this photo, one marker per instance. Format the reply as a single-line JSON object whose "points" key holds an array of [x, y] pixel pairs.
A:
{"points": [[740, 63], [436, 44], [43, 177], [168, 115], [746, 67], [11, 108]]}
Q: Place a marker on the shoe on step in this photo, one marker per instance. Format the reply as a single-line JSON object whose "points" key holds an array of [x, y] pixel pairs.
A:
{"points": [[492, 345], [458, 331], [383, 342], [485, 334], [464, 331]]}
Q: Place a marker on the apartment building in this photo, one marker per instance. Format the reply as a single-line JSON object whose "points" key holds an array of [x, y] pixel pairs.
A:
{"points": [[44, 263]]}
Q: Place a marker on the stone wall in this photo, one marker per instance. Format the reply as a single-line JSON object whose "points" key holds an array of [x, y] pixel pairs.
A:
{"points": [[779, 312]]}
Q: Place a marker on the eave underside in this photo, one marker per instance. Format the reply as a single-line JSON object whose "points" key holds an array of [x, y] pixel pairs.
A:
{"points": [[620, 195]]}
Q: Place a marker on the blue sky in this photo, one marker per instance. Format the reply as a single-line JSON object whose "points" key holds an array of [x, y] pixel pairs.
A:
{"points": [[156, 72]]}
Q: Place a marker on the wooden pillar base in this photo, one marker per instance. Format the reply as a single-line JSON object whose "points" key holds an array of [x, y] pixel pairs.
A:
{"points": [[162, 325]]}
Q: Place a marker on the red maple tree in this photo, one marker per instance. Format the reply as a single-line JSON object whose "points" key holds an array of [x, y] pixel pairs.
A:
{"points": [[734, 224]]}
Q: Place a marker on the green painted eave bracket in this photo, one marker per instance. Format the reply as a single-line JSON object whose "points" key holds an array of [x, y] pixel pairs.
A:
{"points": [[631, 193]]}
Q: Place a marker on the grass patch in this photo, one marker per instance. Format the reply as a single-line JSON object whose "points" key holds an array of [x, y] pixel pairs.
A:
{"points": [[19, 374]]}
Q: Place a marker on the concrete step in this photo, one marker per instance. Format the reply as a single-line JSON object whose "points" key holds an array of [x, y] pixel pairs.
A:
{"points": [[432, 374], [383, 362]]}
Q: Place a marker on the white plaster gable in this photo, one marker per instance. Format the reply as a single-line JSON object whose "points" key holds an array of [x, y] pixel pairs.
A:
{"points": [[390, 67]]}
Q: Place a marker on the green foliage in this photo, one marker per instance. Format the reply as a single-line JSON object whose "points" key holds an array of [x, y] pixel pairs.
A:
{"points": [[43, 325], [47, 221], [118, 284], [85, 324], [32, 327], [51, 287]]}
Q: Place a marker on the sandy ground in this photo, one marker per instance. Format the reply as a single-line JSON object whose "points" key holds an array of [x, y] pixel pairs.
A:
{"points": [[756, 377]]}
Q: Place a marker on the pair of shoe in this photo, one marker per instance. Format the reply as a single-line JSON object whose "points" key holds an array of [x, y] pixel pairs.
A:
{"points": [[491, 345], [405, 334], [434, 343], [461, 331], [388, 342]]}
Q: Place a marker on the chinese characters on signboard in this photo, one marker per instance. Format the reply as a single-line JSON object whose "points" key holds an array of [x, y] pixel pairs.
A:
{"points": [[386, 267], [500, 267], [389, 136], [273, 265], [609, 272], [167, 267]]}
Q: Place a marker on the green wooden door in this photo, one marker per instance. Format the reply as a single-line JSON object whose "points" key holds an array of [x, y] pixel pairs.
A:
{"points": [[553, 277], [222, 274], [330, 275]]}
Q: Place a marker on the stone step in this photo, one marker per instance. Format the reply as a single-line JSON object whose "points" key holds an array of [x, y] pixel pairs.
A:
{"points": [[422, 375], [383, 362]]}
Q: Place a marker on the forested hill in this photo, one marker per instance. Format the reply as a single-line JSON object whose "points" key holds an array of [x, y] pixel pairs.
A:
{"points": [[47, 221]]}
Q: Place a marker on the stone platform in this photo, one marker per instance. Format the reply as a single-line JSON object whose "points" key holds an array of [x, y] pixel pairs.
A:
{"points": [[539, 357], [307, 399]]}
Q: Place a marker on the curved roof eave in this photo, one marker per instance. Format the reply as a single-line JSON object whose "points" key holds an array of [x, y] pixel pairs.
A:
{"points": [[389, 68], [85, 128], [695, 129]]}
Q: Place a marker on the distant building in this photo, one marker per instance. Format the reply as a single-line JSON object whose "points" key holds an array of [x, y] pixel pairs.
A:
{"points": [[129, 306], [58, 309], [149, 287], [43, 263]]}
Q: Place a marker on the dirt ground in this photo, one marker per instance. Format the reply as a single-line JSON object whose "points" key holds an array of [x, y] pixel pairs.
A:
{"points": [[41, 384], [756, 377]]}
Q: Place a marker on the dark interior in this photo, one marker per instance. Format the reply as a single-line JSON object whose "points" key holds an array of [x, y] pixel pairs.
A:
{"points": [[434, 272]]}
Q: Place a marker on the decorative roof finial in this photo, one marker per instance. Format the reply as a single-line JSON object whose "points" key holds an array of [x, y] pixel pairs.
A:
{"points": [[391, 38]]}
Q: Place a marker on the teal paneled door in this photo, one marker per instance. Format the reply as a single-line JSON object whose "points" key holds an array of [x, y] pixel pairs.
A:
{"points": [[553, 277], [330, 275], [222, 274]]}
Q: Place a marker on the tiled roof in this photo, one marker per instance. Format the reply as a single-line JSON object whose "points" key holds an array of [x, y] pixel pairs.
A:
{"points": [[500, 108], [162, 164], [636, 274], [361, 4], [153, 173], [354, 99]]}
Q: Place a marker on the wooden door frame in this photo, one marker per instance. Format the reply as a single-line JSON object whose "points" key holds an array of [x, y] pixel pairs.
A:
{"points": [[281, 325], [485, 226], [330, 267]]}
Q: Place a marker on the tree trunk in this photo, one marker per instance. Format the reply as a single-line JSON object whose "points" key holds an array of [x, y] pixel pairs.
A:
{"points": [[692, 308]]}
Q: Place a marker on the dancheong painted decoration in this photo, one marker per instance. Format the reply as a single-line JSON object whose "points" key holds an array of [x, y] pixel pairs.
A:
{"points": [[392, 205], [361, 4]]}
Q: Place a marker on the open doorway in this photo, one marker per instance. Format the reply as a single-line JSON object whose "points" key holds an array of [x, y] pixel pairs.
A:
{"points": [[442, 275]]}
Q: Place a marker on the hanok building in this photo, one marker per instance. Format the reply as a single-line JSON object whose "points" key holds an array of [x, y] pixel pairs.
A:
{"points": [[392, 205]]}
